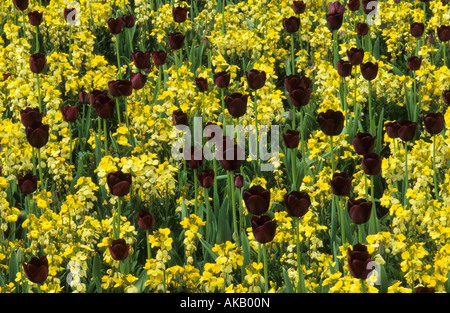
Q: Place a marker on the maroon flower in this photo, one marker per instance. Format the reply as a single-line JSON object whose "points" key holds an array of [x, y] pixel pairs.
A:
{"points": [[120, 87], [369, 5], [434, 122], [422, 289], [115, 25], [392, 129], [27, 184], [35, 18], [371, 163], [128, 20], [30, 117], [292, 82], [359, 210], [37, 62], [298, 7], [222, 79], [414, 63], [195, 158], [119, 183], [179, 118], [212, 130], [159, 57], [335, 15], [37, 135], [416, 29], [146, 220], [353, 5], [206, 178], [103, 105], [344, 68], [36, 270], [291, 24], [229, 154], [358, 261], [263, 228], [236, 104], [363, 143], [341, 184], [70, 15], [446, 96], [138, 80], [175, 40], [300, 96], [69, 113], [407, 130], [257, 199], [291, 139], [355, 56], [119, 249], [179, 14], [297, 203], [238, 181], [83, 97], [21, 5], [94, 94], [443, 33], [142, 60], [331, 122], [255, 79], [362, 29], [369, 70], [201, 83]]}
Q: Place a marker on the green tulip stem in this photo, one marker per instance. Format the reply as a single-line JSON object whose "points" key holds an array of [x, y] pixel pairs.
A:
{"points": [[236, 237], [360, 226], [301, 282], [206, 197], [266, 278], [405, 180], [39, 92], [116, 99], [195, 192], [436, 191], [371, 123], [70, 143], [294, 178], [255, 109], [119, 212], [223, 17], [105, 136], [37, 39], [302, 138], [149, 251], [34, 160], [40, 167], [341, 210], [119, 67], [333, 165], [374, 210], [292, 54]]}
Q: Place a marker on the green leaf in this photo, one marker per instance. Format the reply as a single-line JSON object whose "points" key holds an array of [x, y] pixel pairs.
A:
{"points": [[287, 282], [13, 266], [246, 249], [208, 248], [376, 49]]}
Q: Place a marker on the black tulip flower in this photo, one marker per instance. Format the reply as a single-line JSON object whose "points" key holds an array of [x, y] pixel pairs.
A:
{"points": [[414, 63], [344, 68], [103, 105], [358, 260], [142, 60], [70, 15], [28, 183], [255, 79], [293, 81], [159, 57], [236, 104], [94, 94], [31, 116], [434, 122], [299, 7], [416, 29], [128, 20], [341, 184], [300, 95], [202, 84], [291, 24], [331, 122], [83, 97], [222, 79], [335, 16], [179, 14], [35, 18], [422, 289], [446, 96], [138, 80], [238, 181], [371, 163], [119, 183], [291, 139], [257, 199], [443, 33], [264, 228], [353, 5], [206, 178], [146, 220], [362, 29], [119, 249], [369, 5], [230, 155], [369, 70], [120, 87], [297, 203], [363, 143], [176, 40], [359, 210], [355, 56], [37, 135], [115, 25], [407, 130], [21, 5], [179, 118], [37, 62], [69, 113], [36, 270], [196, 157], [392, 129], [212, 130]]}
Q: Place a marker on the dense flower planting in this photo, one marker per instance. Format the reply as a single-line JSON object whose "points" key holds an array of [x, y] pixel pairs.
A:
{"points": [[95, 95]]}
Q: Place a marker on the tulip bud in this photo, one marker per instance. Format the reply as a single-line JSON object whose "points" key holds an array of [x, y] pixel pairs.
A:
{"points": [[229, 154], [392, 129], [21, 5], [205, 178], [196, 157], [362, 29], [446, 96], [141, 60], [238, 181], [353, 5], [128, 20]]}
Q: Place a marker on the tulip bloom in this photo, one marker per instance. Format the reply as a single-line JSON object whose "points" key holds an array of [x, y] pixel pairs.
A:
{"points": [[299, 7], [363, 143], [358, 261], [414, 63], [69, 113], [371, 164], [36, 270], [176, 40], [195, 159], [359, 210], [138, 80], [331, 122], [104, 106], [446, 96], [344, 68], [119, 249], [37, 62], [362, 29], [119, 183], [201, 83], [257, 199], [263, 228], [300, 96], [291, 139], [443, 33], [407, 130], [341, 184], [159, 57], [31, 116], [416, 29], [128, 20], [179, 118], [21, 5], [146, 220], [297, 203], [355, 56], [236, 104], [353, 5], [434, 123], [222, 79], [27, 184], [291, 24], [141, 60], [229, 155], [179, 14], [335, 16], [120, 87], [35, 18], [37, 135], [115, 25], [392, 129], [255, 79], [205, 178], [369, 70]]}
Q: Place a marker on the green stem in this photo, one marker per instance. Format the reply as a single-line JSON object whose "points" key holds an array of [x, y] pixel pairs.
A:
{"points": [[371, 124], [436, 191], [360, 226], [266, 278], [294, 178], [105, 136], [149, 252], [70, 143], [39, 92], [195, 191], [255, 109], [223, 17], [116, 99], [230, 176], [341, 218], [333, 166], [292, 54], [374, 210], [300, 285], [206, 197], [119, 67], [405, 180], [41, 176]]}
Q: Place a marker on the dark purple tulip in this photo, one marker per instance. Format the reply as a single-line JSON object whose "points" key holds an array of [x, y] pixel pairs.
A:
{"points": [[363, 143], [414, 63], [341, 184], [6, 76], [369, 70], [222, 79], [371, 163], [179, 118], [355, 56], [159, 57], [37, 135], [119, 183], [70, 15], [344, 68], [35, 18], [444, 33], [142, 60], [416, 29], [292, 82], [175, 40], [196, 157], [206, 178], [359, 210], [37, 62], [230, 155], [422, 289], [238, 181], [335, 16], [297, 203], [236, 104], [331, 122], [358, 260], [30, 117], [211, 130], [115, 25], [146, 220], [264, 228], [257, 199], [392, 129], [104, 106], [434, 122], [69, 113], [353, 5], [369, 5], [21, 5], [128, 20], [138, 80], [119, 249], [362, 29], [300, 96], [179, 14], [94, 94], [255, 79], [291, 24], [202, 84], [120, 87], [36, 270], [291, 139], [299, 7], [446, 96], [83, 97], [407, 130], [27, 184]]}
